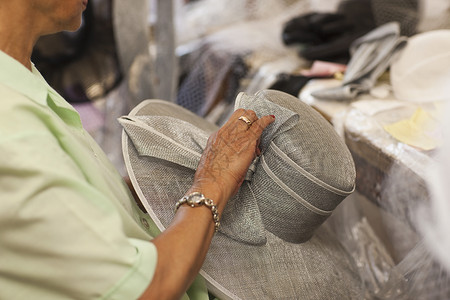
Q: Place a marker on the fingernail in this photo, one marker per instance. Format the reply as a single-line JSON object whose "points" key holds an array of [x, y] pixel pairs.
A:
{"points": [[272, 116]]}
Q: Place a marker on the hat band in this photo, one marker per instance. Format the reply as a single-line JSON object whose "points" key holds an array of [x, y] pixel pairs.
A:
{"points": [[308, 175], [291, 192]]}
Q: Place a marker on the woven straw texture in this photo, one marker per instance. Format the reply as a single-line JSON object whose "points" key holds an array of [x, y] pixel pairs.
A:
{"points": [[266, 248]]}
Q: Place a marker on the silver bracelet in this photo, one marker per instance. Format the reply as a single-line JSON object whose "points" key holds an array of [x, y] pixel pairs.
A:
{"points": [[198, 199]]}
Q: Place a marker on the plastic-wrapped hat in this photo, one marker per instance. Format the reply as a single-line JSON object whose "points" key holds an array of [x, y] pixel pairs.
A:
{"points": [[422, 71], [269, 245]]}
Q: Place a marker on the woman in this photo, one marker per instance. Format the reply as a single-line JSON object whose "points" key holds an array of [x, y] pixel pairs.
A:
{"points": [[67, 226]]}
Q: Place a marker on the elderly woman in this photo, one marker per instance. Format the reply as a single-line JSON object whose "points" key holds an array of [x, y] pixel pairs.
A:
{"points": [[68, 225]]}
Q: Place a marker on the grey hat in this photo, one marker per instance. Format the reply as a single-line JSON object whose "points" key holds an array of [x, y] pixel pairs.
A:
{"points": [[266, 247]]}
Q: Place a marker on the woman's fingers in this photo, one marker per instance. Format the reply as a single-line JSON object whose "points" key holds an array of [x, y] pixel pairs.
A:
{"points": [[245, 130], [249, 118], [259, 125]]}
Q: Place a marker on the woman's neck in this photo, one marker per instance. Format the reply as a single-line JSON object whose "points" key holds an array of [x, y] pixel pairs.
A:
{"points": [[17, 33]]}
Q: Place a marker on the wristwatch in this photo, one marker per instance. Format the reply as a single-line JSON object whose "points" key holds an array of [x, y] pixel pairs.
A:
{"points": [[197, 199]]}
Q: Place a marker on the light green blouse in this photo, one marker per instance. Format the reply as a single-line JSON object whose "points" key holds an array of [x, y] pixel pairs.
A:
{"points": [[68, 225]]}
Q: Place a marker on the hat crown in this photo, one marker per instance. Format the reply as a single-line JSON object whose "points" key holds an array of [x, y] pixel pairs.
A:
{"points": [[311, 142], [305, 169]]}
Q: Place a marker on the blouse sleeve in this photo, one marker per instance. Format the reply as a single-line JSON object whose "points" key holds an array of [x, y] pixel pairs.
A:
{"points": [[60, 238]]}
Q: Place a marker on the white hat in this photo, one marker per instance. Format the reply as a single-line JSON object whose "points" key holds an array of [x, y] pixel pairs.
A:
{"points": [[422, 71]]}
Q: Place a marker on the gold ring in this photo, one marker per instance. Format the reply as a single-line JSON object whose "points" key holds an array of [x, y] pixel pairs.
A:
{"points": [[246, 120]]}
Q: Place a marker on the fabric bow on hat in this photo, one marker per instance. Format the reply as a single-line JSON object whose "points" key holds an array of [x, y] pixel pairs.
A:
{"points": [[182, 143]]}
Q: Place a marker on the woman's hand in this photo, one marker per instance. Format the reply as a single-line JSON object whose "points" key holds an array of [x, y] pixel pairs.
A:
{"points": [[228, 154]]}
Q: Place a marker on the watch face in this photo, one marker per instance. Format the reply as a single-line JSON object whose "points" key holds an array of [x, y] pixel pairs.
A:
{"points": [[195, 199]]}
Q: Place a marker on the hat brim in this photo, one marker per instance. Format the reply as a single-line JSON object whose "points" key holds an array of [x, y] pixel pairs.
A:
{"points": [[317, 269]]}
